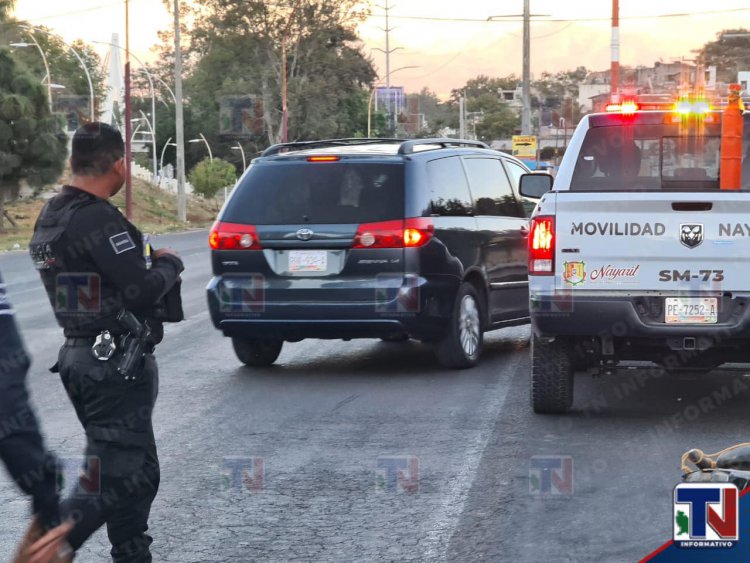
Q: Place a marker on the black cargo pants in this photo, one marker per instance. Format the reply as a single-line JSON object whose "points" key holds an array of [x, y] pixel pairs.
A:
{"points": [[116, 415]]}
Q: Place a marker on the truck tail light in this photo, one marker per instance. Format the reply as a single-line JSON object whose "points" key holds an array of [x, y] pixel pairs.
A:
{"points": [[233, 236], [542, 246], [407, 233]]}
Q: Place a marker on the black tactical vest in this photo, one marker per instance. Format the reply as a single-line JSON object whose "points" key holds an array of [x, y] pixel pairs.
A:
{"points": [[54, 256]]}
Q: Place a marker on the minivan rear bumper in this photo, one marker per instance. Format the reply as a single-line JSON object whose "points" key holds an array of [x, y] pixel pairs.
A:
{"points": [[297, 329], [629, 316], [419, 307]]}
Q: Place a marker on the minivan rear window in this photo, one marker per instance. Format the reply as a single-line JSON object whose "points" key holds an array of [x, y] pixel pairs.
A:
{"points": [[648, 157], [326, 192]]}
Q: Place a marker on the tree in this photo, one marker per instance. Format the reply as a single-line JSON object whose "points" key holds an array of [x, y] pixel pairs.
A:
{"points": [[5, 7], [437, 115], [235, 49], [728, 54], [209, 176], [33, 145], [498, 122], [492, 117], [558, 92], [482, 85], [553, 88], [547, 153], [64, 66]]}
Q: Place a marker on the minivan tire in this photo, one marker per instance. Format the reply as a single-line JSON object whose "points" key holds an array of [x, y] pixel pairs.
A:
{"points": [[461, 348], [257, 352], [551, 376]]}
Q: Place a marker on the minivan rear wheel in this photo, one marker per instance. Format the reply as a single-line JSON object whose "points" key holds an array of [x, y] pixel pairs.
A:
{"points": [[462, 346], [257, 352]]}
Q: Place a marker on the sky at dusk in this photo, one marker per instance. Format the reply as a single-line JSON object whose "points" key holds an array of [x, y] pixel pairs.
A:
{"points": [[447, 53]]}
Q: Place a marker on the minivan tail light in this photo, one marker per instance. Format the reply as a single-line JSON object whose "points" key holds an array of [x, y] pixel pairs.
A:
{"points": [[406, 233], [542, 246], [418, 231], [233, 236]]}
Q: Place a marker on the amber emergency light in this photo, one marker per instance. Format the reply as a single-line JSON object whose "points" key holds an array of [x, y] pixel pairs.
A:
{"points": [[731, 142]]}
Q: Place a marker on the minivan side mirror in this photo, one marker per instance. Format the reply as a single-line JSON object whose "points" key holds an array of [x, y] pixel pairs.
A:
{"points": [[535, 185]]}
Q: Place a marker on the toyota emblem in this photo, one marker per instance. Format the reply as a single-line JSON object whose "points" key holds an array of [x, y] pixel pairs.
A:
{"points": [[305, 234]]}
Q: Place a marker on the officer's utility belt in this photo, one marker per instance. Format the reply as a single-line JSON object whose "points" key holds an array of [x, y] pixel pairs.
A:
{"points": [[133, 344], [89, 341]]}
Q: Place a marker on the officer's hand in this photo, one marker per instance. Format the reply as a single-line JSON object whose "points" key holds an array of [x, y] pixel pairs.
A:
{"points": [[51, 547], [158, 253]]}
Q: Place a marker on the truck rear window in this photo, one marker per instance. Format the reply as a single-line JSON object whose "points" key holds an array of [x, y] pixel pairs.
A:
{"points": [[282, 193], [650, 157]]}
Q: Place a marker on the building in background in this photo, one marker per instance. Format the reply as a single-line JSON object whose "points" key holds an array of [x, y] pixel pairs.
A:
{"points": [[390, 100]]}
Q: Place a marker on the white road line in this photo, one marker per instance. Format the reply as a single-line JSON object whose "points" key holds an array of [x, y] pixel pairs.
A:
{"points": [[445, 518], [15, 293]]}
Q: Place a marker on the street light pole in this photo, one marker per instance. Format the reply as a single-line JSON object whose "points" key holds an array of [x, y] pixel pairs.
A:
{"points": [[171, 93], [128, 115], [526, 93], [372, 94], [242, 152], [284, 106], [46, 66], [179, 128], [161, 160], [526, 79], [153, 140], [92, 111], [387, 52], [135, 132], [150, 83], [203, 139]]}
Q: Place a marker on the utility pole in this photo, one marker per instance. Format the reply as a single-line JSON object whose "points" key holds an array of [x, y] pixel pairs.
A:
{"points": [[388, 51], [461, 118], [526, 93], [526, 78], [614, 72], [388, 63], [284, 106], [128, 124], [179, 126]]}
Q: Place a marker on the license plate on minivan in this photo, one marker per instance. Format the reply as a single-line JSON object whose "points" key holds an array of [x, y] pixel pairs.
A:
{"points": [[691, 310], [308, 260]]}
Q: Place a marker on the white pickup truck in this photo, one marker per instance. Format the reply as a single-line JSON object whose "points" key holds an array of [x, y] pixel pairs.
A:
{"points": [[636, 253]]}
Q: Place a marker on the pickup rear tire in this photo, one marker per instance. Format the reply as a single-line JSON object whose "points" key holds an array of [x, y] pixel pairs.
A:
{"points": [[257, 352], [551, 376], [462, 346]]}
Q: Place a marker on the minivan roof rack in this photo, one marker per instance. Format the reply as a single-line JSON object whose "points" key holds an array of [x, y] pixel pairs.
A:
{"points": [[407, 147], [302, 145]]}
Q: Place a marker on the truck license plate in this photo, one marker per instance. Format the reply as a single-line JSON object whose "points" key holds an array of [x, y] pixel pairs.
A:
{"points": [[308, 260], [691, 310]]}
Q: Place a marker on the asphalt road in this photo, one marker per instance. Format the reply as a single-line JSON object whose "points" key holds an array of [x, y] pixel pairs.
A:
{"points": [[319, 431]]}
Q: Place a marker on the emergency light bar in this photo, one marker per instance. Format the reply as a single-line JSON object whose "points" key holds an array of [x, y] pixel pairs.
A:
{"points": [[683, 107], [695, 107], [625, 108]]}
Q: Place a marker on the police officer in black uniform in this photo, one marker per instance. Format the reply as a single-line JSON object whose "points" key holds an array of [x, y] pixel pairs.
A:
{"points": [[111, 296], [21, 445]]}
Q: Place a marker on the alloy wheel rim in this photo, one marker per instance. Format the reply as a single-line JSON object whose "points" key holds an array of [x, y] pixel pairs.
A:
{"points": [[468, 325]]}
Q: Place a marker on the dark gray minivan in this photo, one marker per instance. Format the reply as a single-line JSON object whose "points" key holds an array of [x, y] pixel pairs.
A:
{"points": [[371, 238]]}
